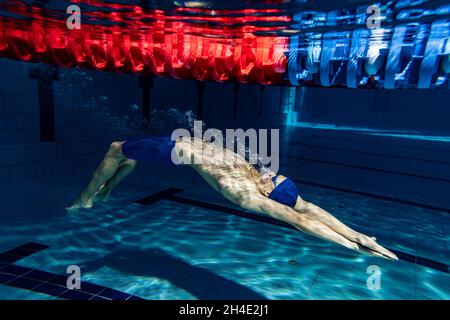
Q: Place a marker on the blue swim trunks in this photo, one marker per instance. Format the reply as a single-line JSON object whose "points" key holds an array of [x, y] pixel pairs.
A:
{"points": [[151, 149]]}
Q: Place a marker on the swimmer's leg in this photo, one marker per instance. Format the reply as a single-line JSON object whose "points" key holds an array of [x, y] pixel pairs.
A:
{"points": [[125, 168], [105, 171]]}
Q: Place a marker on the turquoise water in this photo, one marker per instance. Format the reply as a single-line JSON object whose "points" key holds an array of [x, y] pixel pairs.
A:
{"points": [[174, 251]]}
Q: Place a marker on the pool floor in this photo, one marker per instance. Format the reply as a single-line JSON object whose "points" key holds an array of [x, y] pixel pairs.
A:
{"points": [[172, 250]]}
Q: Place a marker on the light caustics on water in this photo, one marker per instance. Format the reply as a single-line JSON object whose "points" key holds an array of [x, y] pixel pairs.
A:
{"points": [[292, 43]]}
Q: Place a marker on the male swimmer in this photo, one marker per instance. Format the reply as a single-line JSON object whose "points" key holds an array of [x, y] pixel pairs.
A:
{"points": [[233, 177]]}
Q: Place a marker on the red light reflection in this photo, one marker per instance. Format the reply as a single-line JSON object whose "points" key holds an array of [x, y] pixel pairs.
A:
{"points": [[188, 43]]}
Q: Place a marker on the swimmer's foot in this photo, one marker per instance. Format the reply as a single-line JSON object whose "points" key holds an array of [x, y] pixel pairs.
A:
{"points": [[79, 203]]}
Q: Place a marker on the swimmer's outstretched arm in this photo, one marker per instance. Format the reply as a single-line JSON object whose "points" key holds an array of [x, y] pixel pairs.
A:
{"points": [[309, 224], [325, 217]]}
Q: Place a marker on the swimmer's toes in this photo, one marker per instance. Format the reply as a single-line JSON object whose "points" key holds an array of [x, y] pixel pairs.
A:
{"points": [[73, 208], [87, 204]]}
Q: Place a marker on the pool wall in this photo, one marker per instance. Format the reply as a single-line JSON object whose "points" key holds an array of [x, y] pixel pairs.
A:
{"points": [[351, 139]]}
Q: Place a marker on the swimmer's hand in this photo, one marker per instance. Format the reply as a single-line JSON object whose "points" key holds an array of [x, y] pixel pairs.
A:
{"points": [[369, 246], [357, 242]]}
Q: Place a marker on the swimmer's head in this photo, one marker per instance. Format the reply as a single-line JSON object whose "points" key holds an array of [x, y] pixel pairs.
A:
{"points": [[267, 176], [265, 183]]}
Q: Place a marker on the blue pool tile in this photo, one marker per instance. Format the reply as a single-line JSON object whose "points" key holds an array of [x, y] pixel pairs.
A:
{"points": [[6, 258], [59, 280], [6, 277], [114, 294], [40, 275], [50, 289], [35, 246], [16, 270], [159, 196], [97, 298], [91, 288], [76, 295], [24, 283], [135, 298], [20, 252]]}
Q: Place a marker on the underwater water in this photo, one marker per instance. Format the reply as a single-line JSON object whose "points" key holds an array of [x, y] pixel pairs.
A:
{"points": [[184, 249], [165, 234]]}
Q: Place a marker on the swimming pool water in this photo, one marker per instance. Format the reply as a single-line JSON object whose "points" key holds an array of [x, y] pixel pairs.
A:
{"points": [[169, 250]]}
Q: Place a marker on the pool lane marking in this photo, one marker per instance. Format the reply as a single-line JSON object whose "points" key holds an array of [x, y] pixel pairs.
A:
{"points": [[23, 251], [164, 194], [49, 283], [370, 153], [373, 169], [389, 145], [375, 196], [171, 195]]}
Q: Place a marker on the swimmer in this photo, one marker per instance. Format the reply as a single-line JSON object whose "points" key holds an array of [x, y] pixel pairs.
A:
{"points": [[233, 177]]}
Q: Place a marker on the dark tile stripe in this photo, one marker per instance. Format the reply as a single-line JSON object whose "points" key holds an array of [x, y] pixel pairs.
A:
{"points": [[232, 211], [158, 196], [75, 295], [50, 283], [433, 264], [211, 206], [369, 153], [21, 252], [114, 294], [35, 246], [405, 256], [353, 166], [5, 277], [91, 287], [6, 258], [24, 283], [373, 195], [15, 270], [381, 144], [97, 298], [50, 289], [39, 275]]}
